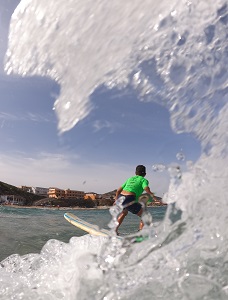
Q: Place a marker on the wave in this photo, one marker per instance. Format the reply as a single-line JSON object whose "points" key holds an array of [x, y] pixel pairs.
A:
{"points": [[173, 53]]}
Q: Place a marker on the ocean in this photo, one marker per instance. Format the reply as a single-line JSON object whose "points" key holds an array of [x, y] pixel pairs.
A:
{"points": [[173, 53], [26, 230]]}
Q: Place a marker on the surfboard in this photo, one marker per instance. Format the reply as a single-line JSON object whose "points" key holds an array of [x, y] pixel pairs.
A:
{"points": [[88, 227], [95, 230]]}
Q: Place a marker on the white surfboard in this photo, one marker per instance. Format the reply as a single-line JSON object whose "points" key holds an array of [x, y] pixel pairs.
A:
{"points": [[95, 230], [88, 227]]}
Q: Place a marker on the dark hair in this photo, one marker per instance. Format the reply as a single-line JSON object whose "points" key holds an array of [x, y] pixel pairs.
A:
{"points": [[140, 170]]}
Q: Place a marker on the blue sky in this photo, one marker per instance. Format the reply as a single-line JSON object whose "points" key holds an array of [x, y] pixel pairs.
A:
{"points": [[99, 153]]}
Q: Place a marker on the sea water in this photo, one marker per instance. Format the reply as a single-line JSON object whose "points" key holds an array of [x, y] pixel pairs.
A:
{"points": [[174, 53], [26, 230]]}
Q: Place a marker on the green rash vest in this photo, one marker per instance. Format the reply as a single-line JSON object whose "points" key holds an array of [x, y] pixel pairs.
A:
{"points": [[135, 184]]}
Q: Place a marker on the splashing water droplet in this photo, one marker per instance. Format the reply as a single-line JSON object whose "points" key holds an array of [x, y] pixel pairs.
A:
{"points": [[147, 218], [114, 210], [158, 168], [180, 156], [175, 172], [189, 164]]}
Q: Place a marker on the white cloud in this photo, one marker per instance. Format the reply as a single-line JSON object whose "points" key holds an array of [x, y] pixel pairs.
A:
{"points": [[101, 124], [23, 117], [37, 118], [10, 117]]}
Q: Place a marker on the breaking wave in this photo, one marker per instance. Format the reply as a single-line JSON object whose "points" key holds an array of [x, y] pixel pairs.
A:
{"points": [[174, 53]]}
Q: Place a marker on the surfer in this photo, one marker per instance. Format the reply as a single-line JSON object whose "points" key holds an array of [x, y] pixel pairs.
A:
{"points": [[131, 190]]}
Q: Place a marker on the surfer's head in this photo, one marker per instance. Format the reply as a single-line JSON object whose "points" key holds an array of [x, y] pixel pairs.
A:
{"points": [[140, 170]]}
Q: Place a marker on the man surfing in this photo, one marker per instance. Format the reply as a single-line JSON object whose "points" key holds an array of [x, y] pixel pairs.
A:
{"points": [[131, 190]]}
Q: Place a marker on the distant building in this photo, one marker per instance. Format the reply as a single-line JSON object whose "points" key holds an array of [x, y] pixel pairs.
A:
{"points": [[12, 199], [26, 188], [67, 194], [40, 191], [72, 194], [92, 196], [56, 193]]}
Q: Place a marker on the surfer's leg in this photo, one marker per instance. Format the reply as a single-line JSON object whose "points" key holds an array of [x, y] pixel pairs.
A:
{"points": [[141, 224], [121, 218]]}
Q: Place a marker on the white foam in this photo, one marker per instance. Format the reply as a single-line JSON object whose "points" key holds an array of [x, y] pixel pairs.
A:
{"points": [[57, 272]]}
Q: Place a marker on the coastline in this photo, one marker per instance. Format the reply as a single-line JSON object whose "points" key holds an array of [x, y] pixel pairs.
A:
{"points": [[57, 208], [64, 207]]}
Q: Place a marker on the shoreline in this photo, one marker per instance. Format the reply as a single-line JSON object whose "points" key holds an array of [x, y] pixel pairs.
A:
{"points": [[65, 207], [57, 208]]}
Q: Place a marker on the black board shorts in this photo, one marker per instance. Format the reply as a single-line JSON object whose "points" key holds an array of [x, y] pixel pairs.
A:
{"points": [[133, 208]]}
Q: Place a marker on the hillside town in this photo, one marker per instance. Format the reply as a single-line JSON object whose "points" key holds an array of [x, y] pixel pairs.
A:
{"points": [[56, 197]]}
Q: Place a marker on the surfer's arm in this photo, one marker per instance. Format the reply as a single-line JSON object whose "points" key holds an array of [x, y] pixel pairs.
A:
{"points": [[148, 191]]}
